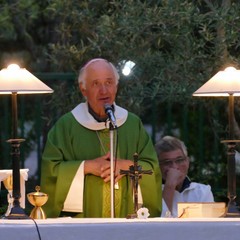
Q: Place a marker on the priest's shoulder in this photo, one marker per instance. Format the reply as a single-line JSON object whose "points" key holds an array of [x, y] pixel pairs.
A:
{"points": [[134, 117], [64, 119]]}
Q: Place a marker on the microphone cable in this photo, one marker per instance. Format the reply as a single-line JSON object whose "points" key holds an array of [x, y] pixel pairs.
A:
{"points": [[116, 149], [38, 232]]}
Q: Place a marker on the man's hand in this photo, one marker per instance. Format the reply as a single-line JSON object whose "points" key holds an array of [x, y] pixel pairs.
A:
{"points": [[101, 167], [174, 178], [96, 165], [121, 164]]}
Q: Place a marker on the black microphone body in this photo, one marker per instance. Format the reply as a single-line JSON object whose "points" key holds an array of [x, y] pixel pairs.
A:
{"points": [[109, 111]]}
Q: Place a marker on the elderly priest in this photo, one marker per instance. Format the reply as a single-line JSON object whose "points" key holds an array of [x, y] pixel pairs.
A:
{"points": [[76, 160]]}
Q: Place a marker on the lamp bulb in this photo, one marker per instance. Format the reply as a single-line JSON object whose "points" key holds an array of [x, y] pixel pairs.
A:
{"points": [[228, 69], [13, 67]]}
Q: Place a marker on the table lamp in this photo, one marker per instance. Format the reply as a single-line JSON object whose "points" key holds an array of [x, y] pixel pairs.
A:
{"points": [[226, 84], [15, 80]]}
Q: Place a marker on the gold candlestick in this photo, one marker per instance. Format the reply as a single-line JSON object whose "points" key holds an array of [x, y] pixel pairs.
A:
{"points": [[37, 199]]}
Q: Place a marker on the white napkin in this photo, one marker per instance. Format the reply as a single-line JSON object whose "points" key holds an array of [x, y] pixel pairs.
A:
{"points": [[4, 174]]}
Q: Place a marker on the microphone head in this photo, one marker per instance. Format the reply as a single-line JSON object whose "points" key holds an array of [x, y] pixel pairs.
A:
{"points": [[110, 112], [108, 107]]}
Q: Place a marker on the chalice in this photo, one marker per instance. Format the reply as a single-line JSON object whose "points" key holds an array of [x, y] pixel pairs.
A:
{"points": [[37, 199], [8, 184]]}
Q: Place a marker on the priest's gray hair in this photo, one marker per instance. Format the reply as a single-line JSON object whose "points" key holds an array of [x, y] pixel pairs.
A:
{"points": [[82, 72], [168, 144]]}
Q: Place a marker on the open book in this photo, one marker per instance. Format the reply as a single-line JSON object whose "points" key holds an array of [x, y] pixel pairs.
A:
{"points": [[201, 209]]}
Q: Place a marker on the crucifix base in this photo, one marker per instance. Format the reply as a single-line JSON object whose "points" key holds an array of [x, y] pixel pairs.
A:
{"points": [[132, 216]]}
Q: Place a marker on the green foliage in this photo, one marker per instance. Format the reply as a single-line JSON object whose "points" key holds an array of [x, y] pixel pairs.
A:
{"points": [[171, 42], [175, 44]]}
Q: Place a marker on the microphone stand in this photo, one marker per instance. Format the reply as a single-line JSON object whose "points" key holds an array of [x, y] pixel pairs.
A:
{"points": [[112, 126], [112, 165]]}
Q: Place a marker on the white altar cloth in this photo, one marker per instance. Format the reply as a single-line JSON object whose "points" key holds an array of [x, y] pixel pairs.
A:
{"points": [[122, 229]]}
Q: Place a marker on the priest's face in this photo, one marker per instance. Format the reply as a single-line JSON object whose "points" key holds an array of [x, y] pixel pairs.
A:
{"points": [[100, 86]]}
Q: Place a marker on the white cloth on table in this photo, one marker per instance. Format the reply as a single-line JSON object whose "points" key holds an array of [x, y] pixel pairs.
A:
{"points": [[4, 174]]}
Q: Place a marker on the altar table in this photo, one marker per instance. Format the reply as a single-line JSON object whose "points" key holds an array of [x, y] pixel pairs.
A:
{"points": [[121, 229]]}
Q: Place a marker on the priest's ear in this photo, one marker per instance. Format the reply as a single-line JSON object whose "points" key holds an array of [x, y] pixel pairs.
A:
{"points": [[82, 88]]}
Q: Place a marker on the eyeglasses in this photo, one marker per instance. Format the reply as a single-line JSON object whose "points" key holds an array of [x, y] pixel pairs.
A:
{"points": [[169, 163]]}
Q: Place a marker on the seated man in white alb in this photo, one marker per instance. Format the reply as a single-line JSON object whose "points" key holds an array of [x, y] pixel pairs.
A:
{"points": [[177, 187]]}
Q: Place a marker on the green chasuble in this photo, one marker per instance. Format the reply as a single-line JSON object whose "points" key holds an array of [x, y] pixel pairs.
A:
{"points": [[69, 143]]}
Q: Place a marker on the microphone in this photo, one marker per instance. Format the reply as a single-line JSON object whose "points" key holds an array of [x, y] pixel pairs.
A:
{"points": [[109, 111]]}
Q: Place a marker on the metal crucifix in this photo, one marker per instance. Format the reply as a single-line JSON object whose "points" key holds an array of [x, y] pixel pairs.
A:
{"points": [[135, 173]]}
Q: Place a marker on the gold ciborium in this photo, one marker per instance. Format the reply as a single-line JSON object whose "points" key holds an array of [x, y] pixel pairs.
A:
{"points": [[8, 184], [37, 199]]}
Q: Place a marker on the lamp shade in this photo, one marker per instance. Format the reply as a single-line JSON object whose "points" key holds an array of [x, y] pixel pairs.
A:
{"points": [[224, 83], [14, 79]]}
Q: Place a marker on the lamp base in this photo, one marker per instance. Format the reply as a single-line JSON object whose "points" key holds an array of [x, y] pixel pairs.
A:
{"points": [[16, 213], [232, 210]]}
